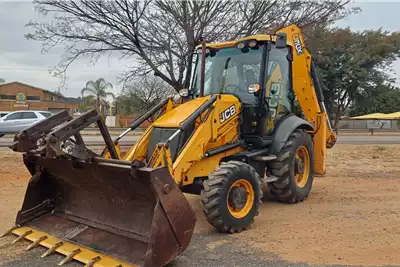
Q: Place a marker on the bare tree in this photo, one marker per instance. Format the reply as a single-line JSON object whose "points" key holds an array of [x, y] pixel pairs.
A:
{"points": [[142, 94], [162, 35]]}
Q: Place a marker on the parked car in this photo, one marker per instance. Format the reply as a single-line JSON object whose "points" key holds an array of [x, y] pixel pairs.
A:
{"points": [[3, 113], [17, 121]]}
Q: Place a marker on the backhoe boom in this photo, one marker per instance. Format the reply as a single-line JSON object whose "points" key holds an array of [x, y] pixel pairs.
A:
{"points": [[309, 96]]}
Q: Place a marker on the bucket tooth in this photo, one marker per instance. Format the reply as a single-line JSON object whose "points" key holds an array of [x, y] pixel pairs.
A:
{"points": [[92, 261], [9, 231], [36, 243], [70, 257], [22, 236], [52, 249]]}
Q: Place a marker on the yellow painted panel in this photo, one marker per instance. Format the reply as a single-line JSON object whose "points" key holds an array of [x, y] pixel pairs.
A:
{"points": [[213, 132], [139, 149], [320, 145], [204, 167], [176, 116]]}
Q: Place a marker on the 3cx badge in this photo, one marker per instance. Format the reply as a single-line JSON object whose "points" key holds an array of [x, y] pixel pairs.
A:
{"points": [[297, 44]]}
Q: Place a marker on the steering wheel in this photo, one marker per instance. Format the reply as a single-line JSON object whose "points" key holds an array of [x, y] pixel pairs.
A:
{"points": [[235, 90]]}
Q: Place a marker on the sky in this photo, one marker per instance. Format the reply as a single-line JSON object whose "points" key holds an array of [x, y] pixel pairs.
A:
{"points": [[22, 60]]}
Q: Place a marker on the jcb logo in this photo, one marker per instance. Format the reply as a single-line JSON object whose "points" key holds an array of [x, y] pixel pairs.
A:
{"points": [[227, 113], [297, 44]]}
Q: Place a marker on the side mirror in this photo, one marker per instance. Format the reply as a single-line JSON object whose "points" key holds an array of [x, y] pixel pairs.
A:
{"points": [[281, 40], [253, 88], [184, 92]]}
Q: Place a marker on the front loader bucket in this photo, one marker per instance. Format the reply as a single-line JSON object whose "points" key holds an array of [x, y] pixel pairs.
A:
{"points": [[105, 212]]}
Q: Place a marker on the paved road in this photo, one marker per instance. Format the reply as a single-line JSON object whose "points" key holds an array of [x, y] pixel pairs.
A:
{"points": [[89, 140], [129, 140]]}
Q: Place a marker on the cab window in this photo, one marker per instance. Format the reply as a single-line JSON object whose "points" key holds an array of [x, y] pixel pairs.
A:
{"points": [[279, 87]]}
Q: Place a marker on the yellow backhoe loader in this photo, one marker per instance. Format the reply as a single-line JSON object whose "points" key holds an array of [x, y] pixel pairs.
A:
{"points": [[253, 119]]}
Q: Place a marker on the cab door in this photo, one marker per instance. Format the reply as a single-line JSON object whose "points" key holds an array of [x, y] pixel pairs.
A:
{"points": [[279, 93]]}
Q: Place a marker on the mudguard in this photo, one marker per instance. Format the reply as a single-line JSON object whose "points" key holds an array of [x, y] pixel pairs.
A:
{"points": [[284, 129]]}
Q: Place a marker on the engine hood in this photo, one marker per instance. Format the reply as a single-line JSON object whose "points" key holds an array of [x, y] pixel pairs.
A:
{"points": [[173, 118]]}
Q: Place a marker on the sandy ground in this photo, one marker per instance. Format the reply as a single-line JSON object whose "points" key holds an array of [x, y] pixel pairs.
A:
{"points": [[351, 217]]}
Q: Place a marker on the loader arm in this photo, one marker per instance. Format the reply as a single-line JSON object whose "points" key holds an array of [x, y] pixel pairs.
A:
{"points": [[309, 95], [210, 133], [100, 211]]}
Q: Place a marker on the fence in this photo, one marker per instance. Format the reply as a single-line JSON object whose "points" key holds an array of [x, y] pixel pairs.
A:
{"points": [[125, 121], [369, 124]]}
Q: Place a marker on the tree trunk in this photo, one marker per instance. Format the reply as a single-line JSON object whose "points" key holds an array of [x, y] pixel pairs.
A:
{"points": [[337, 118], [98, 105]]}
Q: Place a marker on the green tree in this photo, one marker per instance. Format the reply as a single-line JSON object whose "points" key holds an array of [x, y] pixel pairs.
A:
{"points": [[98, 89], [139, 96], [382, 98], [88, 102], [2, 81], [351, 63]]}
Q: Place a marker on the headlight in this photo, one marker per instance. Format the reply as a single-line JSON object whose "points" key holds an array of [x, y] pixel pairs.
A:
{"points": [[240, 45], [199, 50], [252, 43]]}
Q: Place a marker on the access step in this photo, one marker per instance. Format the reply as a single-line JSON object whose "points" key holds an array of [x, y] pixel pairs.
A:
{"points": [[271, 179], [265, 158]]}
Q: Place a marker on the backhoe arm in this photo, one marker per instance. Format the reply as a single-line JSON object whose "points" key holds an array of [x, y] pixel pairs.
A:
{"points": [[309, 95]]}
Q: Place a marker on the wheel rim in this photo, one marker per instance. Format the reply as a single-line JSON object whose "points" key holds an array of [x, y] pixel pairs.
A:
{"points": [[240, 198], [302, 166]]}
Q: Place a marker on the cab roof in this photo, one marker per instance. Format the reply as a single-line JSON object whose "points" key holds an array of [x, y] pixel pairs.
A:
{"points": [[258, 37]]}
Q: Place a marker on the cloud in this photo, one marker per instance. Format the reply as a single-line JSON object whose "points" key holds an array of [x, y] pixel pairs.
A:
{"points": [[22, 60]]}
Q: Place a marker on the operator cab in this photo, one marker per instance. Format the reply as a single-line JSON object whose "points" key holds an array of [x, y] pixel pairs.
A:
{"points": [[258, 73]]}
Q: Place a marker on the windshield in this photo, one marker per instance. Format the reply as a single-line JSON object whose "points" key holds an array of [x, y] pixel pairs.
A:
{"points": [[229, 71]]}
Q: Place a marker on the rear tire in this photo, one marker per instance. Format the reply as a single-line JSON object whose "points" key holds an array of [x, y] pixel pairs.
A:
{"points": [[293, 186], [231, 196]]}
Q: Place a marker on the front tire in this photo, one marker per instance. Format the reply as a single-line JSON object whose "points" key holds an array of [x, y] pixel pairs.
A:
{"points": [[294, 168], [231, 196]]}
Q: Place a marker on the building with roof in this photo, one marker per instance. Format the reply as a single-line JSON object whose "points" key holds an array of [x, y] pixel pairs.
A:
{"points": [[19, 96]]}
